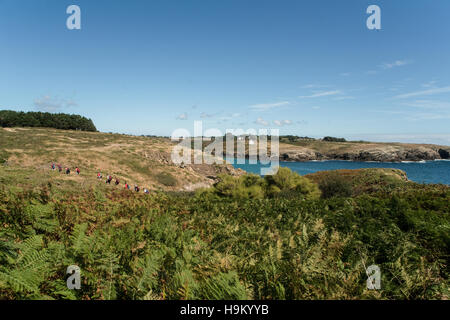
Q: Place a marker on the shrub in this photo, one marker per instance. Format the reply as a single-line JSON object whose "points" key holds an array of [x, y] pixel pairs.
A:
{"points": [[333, 139], [284, 183], [335, 185], [245, 187], [287, 181]]}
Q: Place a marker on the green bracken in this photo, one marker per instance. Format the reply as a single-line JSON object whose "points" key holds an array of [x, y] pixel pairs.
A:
{"points": [[273, 239]]}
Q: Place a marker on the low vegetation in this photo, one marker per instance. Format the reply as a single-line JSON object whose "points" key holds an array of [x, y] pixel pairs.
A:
{"points": [[274, 238], [251, 186]]}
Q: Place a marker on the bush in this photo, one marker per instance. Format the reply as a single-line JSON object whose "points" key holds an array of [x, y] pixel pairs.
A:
{"points": [[334, 139], [286, 181], [248, 186], [335, 185]]}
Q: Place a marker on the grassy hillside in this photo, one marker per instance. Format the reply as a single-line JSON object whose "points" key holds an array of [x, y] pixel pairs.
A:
{"points": [[138, 160]]}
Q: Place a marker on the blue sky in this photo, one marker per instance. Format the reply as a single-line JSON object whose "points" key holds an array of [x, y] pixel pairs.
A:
{"points": [[305, 67]]}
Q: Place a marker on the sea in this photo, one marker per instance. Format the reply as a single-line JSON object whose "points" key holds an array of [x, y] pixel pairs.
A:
{"points": [[436, 171]]}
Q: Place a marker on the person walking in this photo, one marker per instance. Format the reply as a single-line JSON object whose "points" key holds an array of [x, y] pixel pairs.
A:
{"points": [[77, 170]]}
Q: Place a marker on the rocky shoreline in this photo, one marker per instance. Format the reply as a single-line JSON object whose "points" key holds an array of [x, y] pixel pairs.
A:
{"points": [[413, 155], [375, 153]]}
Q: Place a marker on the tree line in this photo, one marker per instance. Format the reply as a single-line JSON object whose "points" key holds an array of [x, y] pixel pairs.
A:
{"points": [[9, 118]]}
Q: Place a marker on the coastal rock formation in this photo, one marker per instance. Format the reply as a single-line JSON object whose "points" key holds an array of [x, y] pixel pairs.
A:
{"points": [[301, 154], [367, 152], [445, 154]]}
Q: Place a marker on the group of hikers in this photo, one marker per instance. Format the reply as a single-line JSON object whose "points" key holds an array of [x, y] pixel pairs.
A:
{"points": [[66, 170], [117, 182], [99, 176]]}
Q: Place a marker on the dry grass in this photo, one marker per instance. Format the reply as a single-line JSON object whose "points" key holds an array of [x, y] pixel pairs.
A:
{"points": [[135, 159]]}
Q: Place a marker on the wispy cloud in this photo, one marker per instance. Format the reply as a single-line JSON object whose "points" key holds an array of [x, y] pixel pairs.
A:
{"points": [[53, 104], [429, 84], [345, 74], [344, 98], [282, 123], [322, 94], [397, 63], [267, 106], [205, 115], [424, 92], [183, 116], [415, 138], [428, 104], [313, 86], [431, 114], [261, 121], [428, 116]]}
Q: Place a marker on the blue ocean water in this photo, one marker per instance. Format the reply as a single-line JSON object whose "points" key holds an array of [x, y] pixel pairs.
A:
{"points": [[423, 172]]}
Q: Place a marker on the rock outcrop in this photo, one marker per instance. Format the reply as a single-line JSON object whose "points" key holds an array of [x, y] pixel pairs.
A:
{"points": [[380, 152]]}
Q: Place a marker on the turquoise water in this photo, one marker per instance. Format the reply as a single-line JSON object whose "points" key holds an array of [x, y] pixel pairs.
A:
{"points": [[423, 172]]}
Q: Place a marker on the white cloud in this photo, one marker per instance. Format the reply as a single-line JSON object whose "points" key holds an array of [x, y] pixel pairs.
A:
{"points": [[267, 106], [345, 74], [261, 121], [313, 85], [322, 94], [409, 138], [204, 115], [428, 104], [397, 63], [53, 104], [424, 92], [429, 84], [182, 116], [282, 123], [344, 98], [428, 116]]}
